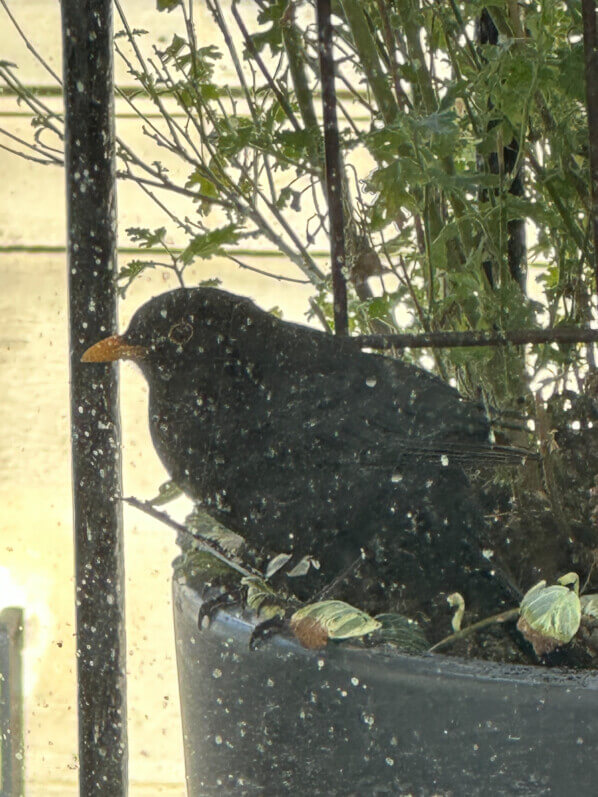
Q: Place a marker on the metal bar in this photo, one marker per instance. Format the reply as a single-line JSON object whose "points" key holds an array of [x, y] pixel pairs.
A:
{"points": [[333, 168], [11, 703], [95, 421], [481, 337], [590, 41]]}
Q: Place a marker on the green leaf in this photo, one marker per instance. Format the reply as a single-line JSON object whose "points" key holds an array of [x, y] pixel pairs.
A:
{"points": [[167, 5], [195, 568], [276, 563], [133, 269], [210, 243], [167, 492], [294, 144], [338, 619], [439, 123], [392, 185], [571, 67], [272, 36], [550, 616], [175, 47], [589, 605], [262, 599], [204, 186], [401, 632], [207, 526], [146, 238], [289, 197]]}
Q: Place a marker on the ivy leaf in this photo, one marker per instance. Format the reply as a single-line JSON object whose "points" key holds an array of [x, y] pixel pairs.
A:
{"points": [[550, 616], [262, 599], [316, 623], [401, 632]]}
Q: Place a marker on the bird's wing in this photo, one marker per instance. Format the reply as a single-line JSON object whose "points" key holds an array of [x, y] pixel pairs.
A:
{"points": [[342, 402]]}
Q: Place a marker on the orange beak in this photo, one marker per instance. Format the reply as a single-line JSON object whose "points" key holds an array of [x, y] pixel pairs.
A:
{"points": [[111, 349]]}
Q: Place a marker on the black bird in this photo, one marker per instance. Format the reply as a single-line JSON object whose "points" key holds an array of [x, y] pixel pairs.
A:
{"points": [[302, 443]]}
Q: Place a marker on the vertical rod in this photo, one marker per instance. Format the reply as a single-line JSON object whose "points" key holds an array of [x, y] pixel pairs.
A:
{"points": [[333, 168], [590, 42], [12, 750], [95, 421]]}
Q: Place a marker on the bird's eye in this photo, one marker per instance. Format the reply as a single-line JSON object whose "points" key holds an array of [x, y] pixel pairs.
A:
{"points": [[180, 333]]}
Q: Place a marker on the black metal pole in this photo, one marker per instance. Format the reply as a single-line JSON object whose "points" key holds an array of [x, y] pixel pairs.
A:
{"points": [[12, 749], [487, 33], [95, 422], [590, 41], [333, 168]]}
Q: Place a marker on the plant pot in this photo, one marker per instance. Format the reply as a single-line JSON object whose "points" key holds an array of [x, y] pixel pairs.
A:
{"points": [[354, 721]]}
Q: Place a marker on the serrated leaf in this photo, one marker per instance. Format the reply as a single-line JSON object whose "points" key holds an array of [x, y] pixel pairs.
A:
{"points": [[210, 243], [146, 238], [175, 47], [204, 186], [134, 268]]}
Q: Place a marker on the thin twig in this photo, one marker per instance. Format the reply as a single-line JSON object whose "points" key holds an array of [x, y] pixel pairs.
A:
{"points": [[510, 337], [26, 157], [205, 544], [28, 44], [284, 103], [278, 277]]}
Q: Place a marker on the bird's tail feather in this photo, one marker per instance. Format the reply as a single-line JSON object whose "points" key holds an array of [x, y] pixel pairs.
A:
{"points": [[464, 453]]}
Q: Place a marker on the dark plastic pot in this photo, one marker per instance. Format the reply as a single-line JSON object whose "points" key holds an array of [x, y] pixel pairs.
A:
{"points": [[348, 721]]}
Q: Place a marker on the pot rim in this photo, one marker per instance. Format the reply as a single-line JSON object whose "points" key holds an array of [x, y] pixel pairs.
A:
{"points": [[240, 623]]}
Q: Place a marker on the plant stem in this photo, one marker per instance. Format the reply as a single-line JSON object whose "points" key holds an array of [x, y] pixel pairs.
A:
{"points": [[503, 617], [368, 58]]}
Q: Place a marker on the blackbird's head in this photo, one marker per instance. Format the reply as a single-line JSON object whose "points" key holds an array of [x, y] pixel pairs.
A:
{"points": [[165, 335]]}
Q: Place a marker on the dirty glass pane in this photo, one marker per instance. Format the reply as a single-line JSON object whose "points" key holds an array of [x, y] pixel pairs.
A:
{"points": [[387, 544]]}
